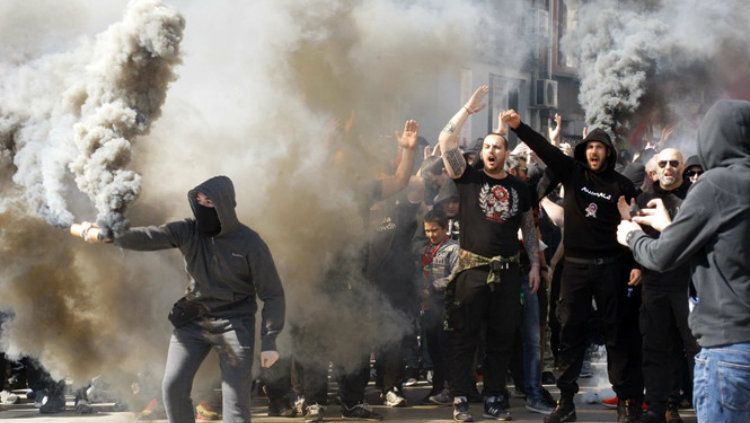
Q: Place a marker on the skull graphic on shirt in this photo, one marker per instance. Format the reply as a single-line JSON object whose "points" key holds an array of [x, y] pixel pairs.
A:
{"points": [[498, 203]]}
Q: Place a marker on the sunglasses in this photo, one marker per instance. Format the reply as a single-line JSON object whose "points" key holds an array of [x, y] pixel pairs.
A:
{"points": [[663, 163], [694, 173]]}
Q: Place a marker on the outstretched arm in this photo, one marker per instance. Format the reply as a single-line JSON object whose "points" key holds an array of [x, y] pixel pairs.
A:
{"points": [[554, 134], [455, 164], [407, 143], [560, 164]]}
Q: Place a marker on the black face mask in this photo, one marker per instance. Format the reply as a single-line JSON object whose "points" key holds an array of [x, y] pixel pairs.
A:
{"points": [[207, 220]]}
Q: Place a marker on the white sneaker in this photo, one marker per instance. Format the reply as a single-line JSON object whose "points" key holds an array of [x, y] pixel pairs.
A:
{"points": [[7, 397], [393, 399]]}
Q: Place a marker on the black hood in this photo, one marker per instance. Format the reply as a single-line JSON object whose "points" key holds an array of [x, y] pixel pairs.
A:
{"points": [[597, 135], [635, 172], [221, 191], [724, 135], [692, 161]]}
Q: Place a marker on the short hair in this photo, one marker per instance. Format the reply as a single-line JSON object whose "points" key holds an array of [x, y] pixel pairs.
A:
{"points": [[437, 216], [513, 161], [502, 137]]}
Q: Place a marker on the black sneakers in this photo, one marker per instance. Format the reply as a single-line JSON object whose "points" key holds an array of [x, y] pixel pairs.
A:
{"points": [[564, 412], [496, 408], [52, 404], [461, 411], [359, 411]]}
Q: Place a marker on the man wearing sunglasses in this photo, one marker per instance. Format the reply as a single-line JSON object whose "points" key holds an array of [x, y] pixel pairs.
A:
{"points": [[711, 232], [664, 308]]}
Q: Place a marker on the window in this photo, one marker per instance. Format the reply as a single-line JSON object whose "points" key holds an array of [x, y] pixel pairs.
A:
{"points": [[566, 19]]}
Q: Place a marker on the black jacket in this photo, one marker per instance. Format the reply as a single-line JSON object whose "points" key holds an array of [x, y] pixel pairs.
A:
{"points": [[712, 229], [677, 279], [226, 271], [590, 202]]}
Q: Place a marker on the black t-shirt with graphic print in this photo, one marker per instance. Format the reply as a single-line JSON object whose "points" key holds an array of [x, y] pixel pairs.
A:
{"points": [[490, 212]]}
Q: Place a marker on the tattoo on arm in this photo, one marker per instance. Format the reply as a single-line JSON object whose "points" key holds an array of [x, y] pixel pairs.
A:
{"points": [[449, 128], [454, 160], [530, 239]]}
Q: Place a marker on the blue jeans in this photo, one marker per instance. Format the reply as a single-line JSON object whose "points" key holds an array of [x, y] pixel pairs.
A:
{"points": [[233, 338], [721, 392], [531, 338]]}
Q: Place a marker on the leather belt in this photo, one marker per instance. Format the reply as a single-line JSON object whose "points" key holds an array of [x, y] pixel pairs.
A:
{"points": [[595, 261]]}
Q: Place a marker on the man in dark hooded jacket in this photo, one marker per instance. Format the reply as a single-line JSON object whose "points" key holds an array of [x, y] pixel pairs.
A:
{"points": [[595, 266], [229, 265], [711, 232]]}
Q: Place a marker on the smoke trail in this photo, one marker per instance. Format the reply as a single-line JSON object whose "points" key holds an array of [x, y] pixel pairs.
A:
{"points": [[617, 55], [122, 95], [80, 111], [643, 59], [76, 308]]}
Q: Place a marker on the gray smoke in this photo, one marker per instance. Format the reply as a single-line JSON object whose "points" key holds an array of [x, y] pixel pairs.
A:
{"points": [[79, 111], [655, 58], [290, 99]]}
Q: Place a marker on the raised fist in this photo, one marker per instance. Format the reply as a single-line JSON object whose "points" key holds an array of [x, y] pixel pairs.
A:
{"points": [[511, 118]]}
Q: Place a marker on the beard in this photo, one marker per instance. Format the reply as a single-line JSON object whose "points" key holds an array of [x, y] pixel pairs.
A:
{"points": [[667, 180]]}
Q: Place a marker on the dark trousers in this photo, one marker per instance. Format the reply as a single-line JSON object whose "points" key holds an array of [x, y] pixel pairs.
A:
{"points": [[667, 342], [437, 341], [277, 381], [310, 380], [390, 364], [470, 303], [618, 309], [554, 323], [516, 363]]}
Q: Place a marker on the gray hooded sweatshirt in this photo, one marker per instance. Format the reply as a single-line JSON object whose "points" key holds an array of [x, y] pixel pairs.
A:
{"points": [[711, 231], [226, 271]]}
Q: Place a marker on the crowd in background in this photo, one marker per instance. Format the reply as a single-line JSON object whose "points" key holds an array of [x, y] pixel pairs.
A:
{"points": [[496, 256]]}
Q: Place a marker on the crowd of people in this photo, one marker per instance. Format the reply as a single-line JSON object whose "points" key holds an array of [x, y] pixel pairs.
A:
{"points": [[494, 255]]}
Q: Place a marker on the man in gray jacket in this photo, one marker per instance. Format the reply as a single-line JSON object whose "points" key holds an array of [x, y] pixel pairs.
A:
{"points": [[229, 264]]}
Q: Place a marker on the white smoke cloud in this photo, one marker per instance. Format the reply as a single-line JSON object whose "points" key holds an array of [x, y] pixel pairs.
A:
{"points": [[78, 112]]}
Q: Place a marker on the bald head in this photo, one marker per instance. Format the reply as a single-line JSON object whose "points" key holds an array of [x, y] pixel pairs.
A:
{"points": [[669, 168]]}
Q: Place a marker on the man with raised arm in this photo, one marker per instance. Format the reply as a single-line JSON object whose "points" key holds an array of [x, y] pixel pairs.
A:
{"points": [[487, 286], [595, 265]]}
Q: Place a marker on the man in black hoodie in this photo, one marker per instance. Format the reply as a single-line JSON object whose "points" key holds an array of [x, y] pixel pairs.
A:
{"points": [[229, 265], [711, 232], [595, 265]]}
